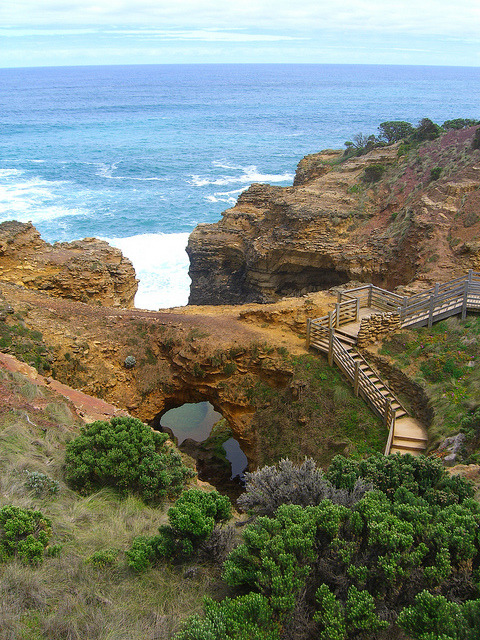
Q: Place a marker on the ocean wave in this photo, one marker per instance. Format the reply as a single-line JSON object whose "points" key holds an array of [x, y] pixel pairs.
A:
{"points": [[106, 171], [161, 265], [229, 197], [248, 175], [7, 173], [32, 199]]}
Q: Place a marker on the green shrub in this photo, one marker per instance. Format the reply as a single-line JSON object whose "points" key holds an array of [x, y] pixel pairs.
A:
{"points": [[422, 476], [339, 620], [247, 617], [191, 521], [426, 130], [128, 455], [103, 558], [433, 617], [435, 173], [395, 130], [41, 484], [348, 572], [373, 173], [23, 533], [459, 123]]}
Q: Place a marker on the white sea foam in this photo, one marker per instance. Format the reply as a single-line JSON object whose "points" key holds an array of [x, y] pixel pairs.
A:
{"points": [[32, 199], [246, 175], [230, 197], [161, 265], [107, 170]]}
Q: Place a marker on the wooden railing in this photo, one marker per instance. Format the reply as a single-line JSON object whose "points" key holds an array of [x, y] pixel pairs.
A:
{"points": [[444, 300], [363, 386], [344, 313]]}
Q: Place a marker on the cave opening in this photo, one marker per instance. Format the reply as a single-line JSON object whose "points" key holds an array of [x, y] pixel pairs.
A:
{"points": [[306, 279], [203, 433]]}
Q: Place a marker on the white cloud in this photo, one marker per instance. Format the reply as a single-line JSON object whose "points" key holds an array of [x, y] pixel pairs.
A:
{"points": [[204, 35], [407, 16]]}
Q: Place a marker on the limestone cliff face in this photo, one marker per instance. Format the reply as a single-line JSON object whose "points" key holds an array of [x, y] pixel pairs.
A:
{"points": [[88, 270], [331, 226]]}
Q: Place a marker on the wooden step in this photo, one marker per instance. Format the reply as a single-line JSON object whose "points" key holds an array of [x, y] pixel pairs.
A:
{"points": [[410, 439], [345, 337], [407, 446]]}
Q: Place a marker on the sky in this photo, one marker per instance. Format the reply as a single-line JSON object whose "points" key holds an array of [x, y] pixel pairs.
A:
{"points": [[83, 32]]}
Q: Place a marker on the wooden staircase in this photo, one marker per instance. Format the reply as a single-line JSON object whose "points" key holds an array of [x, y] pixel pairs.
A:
{"points": [[336, 336], [409, 436]]}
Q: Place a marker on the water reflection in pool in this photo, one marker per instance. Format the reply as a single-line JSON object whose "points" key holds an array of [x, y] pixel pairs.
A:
{"points": [[195, 421]]}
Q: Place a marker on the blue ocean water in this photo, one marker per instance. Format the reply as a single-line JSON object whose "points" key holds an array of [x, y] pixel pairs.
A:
{"points": [[139, 155]]}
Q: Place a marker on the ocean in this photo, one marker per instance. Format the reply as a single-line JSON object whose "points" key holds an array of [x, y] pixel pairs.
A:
{"points": [[139, 155]]}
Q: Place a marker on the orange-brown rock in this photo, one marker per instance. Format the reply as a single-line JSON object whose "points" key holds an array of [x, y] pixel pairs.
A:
{"points": [[331, 226], [180, 357], [88, 270]]}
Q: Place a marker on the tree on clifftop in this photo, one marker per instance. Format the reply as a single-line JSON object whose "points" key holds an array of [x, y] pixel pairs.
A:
{"points": [[395, 130]]}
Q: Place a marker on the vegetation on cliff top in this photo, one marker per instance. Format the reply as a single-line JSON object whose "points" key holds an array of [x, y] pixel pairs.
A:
{"points": [[346, 569], [394, 131], [444, 359]]}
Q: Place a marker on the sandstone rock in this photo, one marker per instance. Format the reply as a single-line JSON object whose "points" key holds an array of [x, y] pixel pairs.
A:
{"points": [[329, 227], [88, 270]]}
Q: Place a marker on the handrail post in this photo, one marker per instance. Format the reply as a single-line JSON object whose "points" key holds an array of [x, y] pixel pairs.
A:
{"points": [[337, 319], [309, 328], [357, 310], [330, 321], [430, 311], [465, 299], [388, 406], [370, 296], [330, 346], [356, 378]]}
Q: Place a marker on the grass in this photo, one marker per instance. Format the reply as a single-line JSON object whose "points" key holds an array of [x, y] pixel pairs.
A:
{"points": [[445, 360], [317, 415], [68, 597], [24, 343]]}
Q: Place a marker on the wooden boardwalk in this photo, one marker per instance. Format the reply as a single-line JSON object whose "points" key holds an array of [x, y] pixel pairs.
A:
{"points": [[336, 335]]}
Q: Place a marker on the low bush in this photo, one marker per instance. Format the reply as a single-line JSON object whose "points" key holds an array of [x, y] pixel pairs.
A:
{"points": [[422, 476], [286, 483], [103, 558], [192, 521], [41, 484], [373, 173], [128, 455], [433, 617], [23, 534], [247, 617], [348, 572]]}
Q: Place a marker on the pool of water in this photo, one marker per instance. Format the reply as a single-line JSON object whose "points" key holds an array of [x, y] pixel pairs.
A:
{"points": [[195, 421], [191, 420]]}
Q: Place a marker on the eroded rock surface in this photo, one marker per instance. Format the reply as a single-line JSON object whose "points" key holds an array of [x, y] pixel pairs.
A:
{"points": [[331, 226], [88, 270]]}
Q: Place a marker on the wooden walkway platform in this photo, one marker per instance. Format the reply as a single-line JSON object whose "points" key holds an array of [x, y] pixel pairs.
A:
{"points": [[336, 335]]}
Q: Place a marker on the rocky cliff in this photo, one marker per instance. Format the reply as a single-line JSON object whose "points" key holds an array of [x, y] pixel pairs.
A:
{"points": [[408, 227], [88, 270]]}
